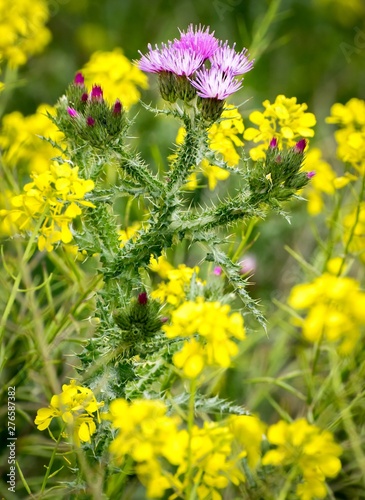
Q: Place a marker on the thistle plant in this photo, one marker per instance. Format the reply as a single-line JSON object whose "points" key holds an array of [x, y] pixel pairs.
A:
{"points": [[144, 404]]}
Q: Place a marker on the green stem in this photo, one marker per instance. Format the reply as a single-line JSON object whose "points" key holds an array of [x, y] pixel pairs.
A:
{"points": [[44, 483], [287, 485], [191, 416], [26, 256]]}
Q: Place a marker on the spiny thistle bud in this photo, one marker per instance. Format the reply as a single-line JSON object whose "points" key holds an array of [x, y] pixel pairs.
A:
{"points": [[300, 146], [167, 86], [90, 122], [210, 109], [96, 93], [273, 143], [72, 112], [142, 298], [84, 97], [311, 174], [117, 108]]}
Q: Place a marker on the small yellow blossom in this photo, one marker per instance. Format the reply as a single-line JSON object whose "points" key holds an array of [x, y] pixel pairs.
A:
{"points": [[175, 289], [22, 147], [350, 137], [284, 119], [215, 329], [129, 233], [56, 195], [76, 406], [249, 432], [23, 31], [117, 75], [161, 266], [309, 449], [336, 309]]}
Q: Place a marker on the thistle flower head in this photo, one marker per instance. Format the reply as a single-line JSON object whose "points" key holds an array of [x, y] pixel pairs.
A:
{"points": [[227, 59], [151, 62], [90, 122], [213, 83], [96, 93], [72, 112], [273, 143], [197, 40], [300, 146], [117, 108]]}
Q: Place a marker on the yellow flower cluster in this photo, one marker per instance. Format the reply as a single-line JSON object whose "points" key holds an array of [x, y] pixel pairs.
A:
{"points": [[20, 143], [211, 330], [22, 28], [351, 135], [54, 196], [310, 450], [324, 182], [175, 289], [223, 137], [284, 119], [170, 458], [117, 75], [76, 406], [336, 309]]}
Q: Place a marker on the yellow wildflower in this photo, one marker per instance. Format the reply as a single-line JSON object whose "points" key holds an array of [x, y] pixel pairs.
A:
{"points": [[161, 266], [336, 309], [22, 28], [128, 233], [350, 137], [117, 75], [215, 329], [284, 119], [76, 406], [55, 195], [323, 182], [308, 448], [174, 290], [249, 432], [20, 142]]}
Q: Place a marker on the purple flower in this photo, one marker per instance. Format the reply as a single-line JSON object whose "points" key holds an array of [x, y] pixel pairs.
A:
{"points": [[300, 146], [227, 59], [72, 112], [96, 93], [197, 40], [311, 174], [181, 62], [215, 84], [79, 79], [273, 143], [84, 97], [151, 62], [90, 122]]}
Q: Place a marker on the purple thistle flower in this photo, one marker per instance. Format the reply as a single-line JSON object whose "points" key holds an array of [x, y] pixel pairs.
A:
{"points": [[90, 122], [79, 79], [311, 174], [197, 40], [273, 143], [151, 62], [300, 146], [84, 97], [72, 112], [227, 59], [181, 62], [96, 93], [215, 84]]}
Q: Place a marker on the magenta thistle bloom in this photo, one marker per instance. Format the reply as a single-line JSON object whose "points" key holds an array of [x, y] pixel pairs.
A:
{"points": [[300, 146], [84, 97], [311, 174], [117, 108], [197, 40], [72, 112], [215, 84], [151, 62], [273, 143], [79, 79], [227, 59], [90, 122], [181, 62], [96, 93]]}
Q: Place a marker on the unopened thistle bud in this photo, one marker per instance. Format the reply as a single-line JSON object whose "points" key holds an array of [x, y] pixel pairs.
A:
{"points": [[300, 146], [79, 79], [96, 93]]}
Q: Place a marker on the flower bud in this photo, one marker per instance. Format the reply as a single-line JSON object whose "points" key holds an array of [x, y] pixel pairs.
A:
{"points": [[142, 298], [300, 146], [96, 93], [273, 143], [72, 112], [79, 79]]}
